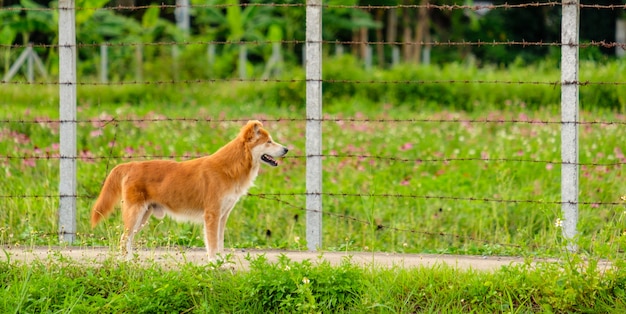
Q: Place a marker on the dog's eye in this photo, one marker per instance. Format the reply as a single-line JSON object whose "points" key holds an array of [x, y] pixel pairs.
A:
{"points": [[269, 142]]}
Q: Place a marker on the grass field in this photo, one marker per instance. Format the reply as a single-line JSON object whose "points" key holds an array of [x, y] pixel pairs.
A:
{"points": [[396, 179], [57, 285]]}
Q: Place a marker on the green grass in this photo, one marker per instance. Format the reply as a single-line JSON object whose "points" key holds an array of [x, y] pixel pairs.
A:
{"points": [[311, 286], [421, 184]]}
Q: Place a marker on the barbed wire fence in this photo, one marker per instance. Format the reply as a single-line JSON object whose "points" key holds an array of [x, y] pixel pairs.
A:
{"points": [[569, 123]]}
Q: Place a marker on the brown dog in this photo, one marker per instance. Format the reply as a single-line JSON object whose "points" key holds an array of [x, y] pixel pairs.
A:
{"points": [[203, 190]]}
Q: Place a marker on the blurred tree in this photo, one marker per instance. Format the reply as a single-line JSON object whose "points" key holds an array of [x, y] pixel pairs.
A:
{"points": [[374, 20], [343, 23], [530, 24], [540, 24], [598, 25]]}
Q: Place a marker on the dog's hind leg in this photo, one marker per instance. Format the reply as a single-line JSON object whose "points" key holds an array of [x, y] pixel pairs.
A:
{"points": [[135, 218]]}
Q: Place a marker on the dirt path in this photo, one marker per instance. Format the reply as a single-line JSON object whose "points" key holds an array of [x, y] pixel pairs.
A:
{"points": [[174, 256]]}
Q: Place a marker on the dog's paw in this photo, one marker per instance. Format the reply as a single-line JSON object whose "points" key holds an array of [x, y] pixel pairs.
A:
{"points": [[222, 262]]}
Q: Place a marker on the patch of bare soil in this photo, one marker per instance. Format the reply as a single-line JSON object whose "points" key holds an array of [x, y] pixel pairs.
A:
{"points": [[176, 256]]}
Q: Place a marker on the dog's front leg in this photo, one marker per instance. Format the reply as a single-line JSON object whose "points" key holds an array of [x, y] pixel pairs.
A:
{"points": [[222, 227], [211, 232]]}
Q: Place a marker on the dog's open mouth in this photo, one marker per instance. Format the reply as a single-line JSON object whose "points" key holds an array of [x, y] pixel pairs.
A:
{"points": [[269, 160]]}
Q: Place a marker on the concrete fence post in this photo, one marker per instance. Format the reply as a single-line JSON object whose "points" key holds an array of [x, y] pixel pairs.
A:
{"points": [[569, 120], [104, 64], [67, 123], [313, 64]]}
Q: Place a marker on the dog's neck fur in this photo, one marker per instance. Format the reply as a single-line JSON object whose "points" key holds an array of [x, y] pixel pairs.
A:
{"points": [[245, 169]]}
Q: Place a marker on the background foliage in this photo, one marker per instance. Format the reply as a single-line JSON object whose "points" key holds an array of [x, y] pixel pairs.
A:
{"points": [[151, 23]]}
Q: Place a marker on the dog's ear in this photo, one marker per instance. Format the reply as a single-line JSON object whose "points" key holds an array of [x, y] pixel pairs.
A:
{"points": [[256, 124], [251, 130]]}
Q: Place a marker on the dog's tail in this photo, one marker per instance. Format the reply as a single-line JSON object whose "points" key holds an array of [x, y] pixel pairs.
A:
{"points": [[109, 196]]}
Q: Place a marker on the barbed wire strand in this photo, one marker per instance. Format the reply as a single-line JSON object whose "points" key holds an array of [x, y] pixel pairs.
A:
{"points": [[429, 6], [393, 82], [324, 120], [479, 43], [111, 156], [374, 195]]}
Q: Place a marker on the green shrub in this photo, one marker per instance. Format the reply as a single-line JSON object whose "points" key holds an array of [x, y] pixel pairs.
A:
{"points": [[466, 87], [290, 287], [451, 86]]}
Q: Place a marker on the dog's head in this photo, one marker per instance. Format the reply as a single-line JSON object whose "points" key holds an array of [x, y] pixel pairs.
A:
{"points": [[261, 144]]}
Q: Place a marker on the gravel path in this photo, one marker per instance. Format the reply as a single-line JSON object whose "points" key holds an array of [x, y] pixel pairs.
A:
{"points": [[174, 256]]}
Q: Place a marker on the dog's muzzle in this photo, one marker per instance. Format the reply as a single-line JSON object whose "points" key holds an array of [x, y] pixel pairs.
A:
{"points": [[270, 159]]}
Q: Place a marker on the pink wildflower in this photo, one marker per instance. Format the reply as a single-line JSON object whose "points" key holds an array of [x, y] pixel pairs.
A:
{"points": [[96, 133], [87, 156], [29, 162], [406, 146]]}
